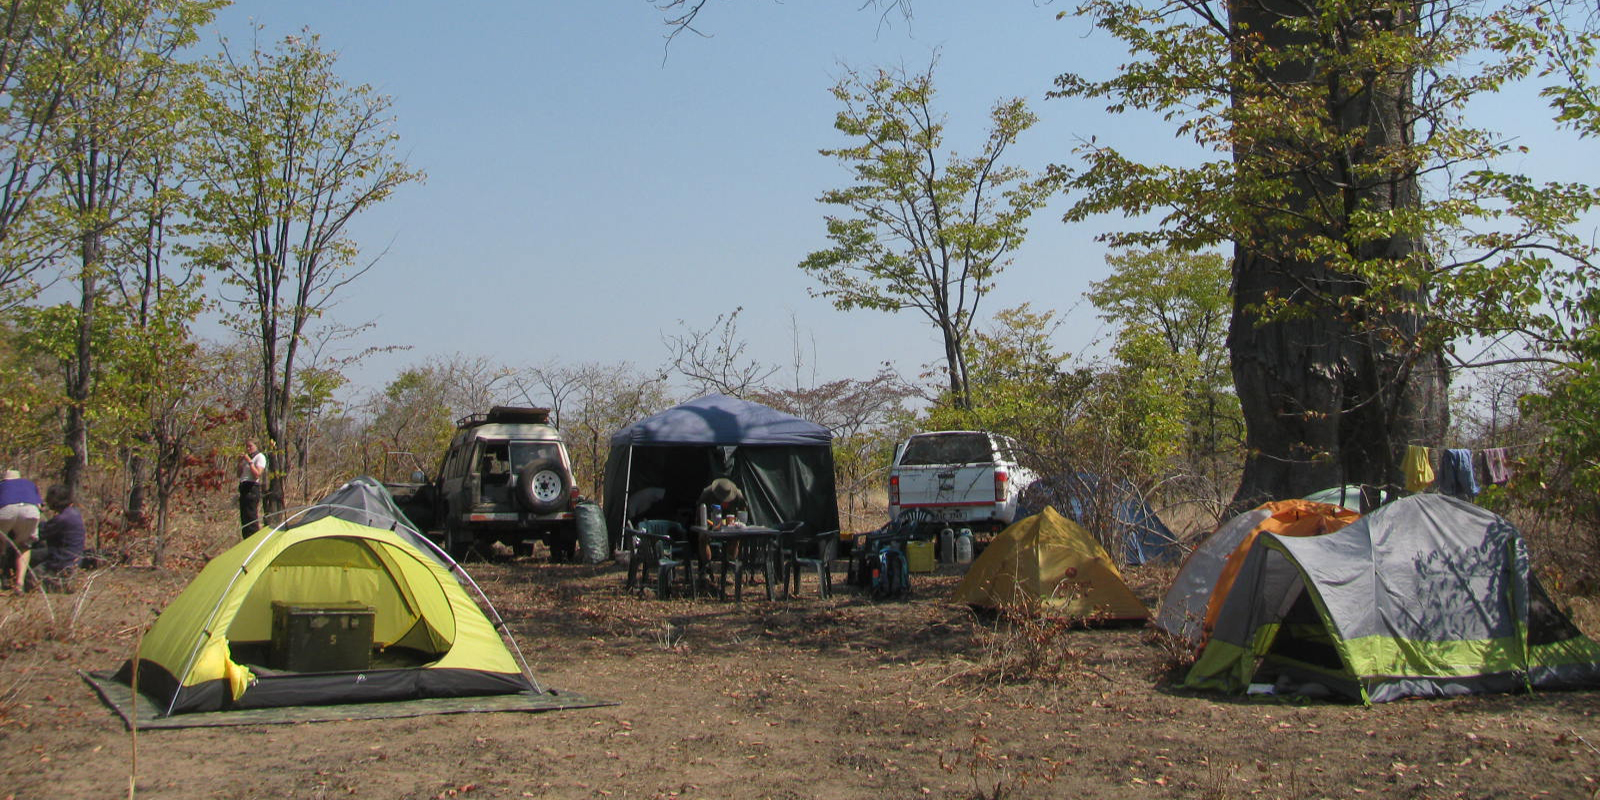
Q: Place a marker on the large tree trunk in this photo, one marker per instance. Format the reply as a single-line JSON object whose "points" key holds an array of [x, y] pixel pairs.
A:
{"points": [[1327, 399], [1332, 390]]}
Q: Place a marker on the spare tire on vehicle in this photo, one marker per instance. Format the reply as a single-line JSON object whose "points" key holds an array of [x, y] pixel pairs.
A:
{"points": [[542, 486]]}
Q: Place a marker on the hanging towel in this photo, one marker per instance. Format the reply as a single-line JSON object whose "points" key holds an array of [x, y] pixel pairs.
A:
{"points": [[1418, 468], [1494, 462], [1455, 474]]}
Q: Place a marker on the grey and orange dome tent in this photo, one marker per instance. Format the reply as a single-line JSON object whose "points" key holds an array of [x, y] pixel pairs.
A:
{"points": [[1189, 609], [1427, 596], [1049, 559], [208, 650]]}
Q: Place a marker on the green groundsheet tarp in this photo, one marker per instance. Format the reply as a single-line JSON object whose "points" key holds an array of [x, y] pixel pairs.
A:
{"points": [[121, 699]]}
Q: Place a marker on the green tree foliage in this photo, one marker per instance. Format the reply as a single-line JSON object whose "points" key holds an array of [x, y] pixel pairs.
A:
{"points": [[1137, 411], [144, 368], [1124, 420], [1567, 476], [1559, 476], [289, 155], [411, 415], [163, 381], [30, 388], [1180, 298], [1127, 419], [119, 117], [1171, 311], [1325, 122], [923, 230], [1020, 385], [35, 77]]}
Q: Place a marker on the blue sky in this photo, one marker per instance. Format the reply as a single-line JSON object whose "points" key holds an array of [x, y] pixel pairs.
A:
{"points": [[589, 187]]}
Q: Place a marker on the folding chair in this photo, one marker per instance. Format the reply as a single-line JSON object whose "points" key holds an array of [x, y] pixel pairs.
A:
{"points": [[799, 548], [656, 554]]}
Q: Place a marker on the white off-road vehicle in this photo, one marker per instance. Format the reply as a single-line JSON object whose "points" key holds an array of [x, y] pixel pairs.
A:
{"points": [[506, 478], [958, 478]]}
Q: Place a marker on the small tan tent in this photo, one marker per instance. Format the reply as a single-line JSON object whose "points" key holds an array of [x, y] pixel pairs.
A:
{"points": [[1052, 559]]}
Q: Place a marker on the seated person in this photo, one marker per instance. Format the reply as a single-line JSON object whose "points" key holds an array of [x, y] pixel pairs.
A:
{"points": [[722, 492], [63, 537], [729, 500]]}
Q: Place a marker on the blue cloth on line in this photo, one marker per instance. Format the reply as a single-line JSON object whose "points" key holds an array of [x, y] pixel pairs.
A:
{"points": [[1455, 474]]}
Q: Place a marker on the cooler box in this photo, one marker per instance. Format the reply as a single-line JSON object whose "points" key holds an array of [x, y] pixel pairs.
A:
{"points": [[919, 556], [321, 637]]}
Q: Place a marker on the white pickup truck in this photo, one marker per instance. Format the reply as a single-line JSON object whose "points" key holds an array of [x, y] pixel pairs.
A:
{"points": [[966, 478]]}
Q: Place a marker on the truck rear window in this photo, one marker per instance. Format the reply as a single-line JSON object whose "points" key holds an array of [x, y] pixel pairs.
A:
{"points": [[501, 458], [523, 453], [947, 448]]}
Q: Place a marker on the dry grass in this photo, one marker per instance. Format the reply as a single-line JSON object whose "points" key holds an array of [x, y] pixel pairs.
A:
{"points": [[993, 776]]}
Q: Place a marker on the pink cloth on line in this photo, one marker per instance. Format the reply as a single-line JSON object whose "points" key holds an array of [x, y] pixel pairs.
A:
{"points": [[1494, 461]]}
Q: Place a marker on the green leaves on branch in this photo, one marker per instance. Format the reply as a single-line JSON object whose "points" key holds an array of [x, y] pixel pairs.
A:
{"points": [[288, 155], [921, 228], [1301, 173]]}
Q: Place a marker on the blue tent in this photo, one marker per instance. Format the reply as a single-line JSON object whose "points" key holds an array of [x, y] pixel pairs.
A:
{"points": [[1113, 507], [783, 464]]}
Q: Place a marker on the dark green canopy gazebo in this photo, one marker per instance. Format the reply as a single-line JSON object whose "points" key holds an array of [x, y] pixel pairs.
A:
{"points": [[783, 464]]}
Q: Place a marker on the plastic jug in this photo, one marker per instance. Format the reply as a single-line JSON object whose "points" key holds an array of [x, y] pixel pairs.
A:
{"points": [[964, 547], [947, 546]]}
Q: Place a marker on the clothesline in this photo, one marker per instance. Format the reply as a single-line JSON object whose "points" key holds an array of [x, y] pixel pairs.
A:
{"points": [[1456, 475], [1524, 445]]}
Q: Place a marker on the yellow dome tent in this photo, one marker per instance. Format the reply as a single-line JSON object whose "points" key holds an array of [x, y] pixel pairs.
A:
{"points": [[212, 647], [1053, 560]]}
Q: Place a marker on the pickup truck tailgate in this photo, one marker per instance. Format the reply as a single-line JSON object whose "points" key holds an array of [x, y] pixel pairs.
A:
{"points": [[922, 486]]}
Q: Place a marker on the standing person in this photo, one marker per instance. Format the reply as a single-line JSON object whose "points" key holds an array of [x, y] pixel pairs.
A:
{"points": [[19, 521], [252, 470], [63, 536]]}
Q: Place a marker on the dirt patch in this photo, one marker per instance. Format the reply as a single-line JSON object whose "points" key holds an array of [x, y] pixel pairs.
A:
{"points": [[802, 699]]}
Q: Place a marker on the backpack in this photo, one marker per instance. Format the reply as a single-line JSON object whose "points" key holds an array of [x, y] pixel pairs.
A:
{"points": [[891, 576]]}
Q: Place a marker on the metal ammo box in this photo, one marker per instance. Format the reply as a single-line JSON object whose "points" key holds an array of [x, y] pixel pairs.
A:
{"points": [[322, 637]]}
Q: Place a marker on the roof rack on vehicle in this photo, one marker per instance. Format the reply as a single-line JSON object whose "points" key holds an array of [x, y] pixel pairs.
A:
{"points": [[535, 416]]}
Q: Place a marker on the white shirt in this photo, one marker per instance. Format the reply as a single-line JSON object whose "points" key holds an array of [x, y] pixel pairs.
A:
{"points": [[259, 461]]}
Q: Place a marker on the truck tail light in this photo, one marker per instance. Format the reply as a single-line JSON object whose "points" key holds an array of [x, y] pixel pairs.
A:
{"points": [[572, 497], [894, 490], [1000, 478]]}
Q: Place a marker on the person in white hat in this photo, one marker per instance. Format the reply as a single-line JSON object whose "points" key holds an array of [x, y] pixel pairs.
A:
{"points": [[19, 521]]}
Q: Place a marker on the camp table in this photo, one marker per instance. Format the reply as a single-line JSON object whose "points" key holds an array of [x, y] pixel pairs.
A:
{"points": [[738, 548]]}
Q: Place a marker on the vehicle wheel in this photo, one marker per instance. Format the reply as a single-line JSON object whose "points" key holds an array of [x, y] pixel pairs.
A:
{"points": [[457, 542], [522, 548], [542, 486], [563, 545]]}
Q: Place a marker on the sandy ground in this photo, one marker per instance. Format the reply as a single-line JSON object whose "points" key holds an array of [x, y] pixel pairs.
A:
{"points": [[807, 698]]}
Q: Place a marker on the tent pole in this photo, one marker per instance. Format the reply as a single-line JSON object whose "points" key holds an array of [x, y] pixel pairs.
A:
{"points": [[627, 481], [627, 485]]}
